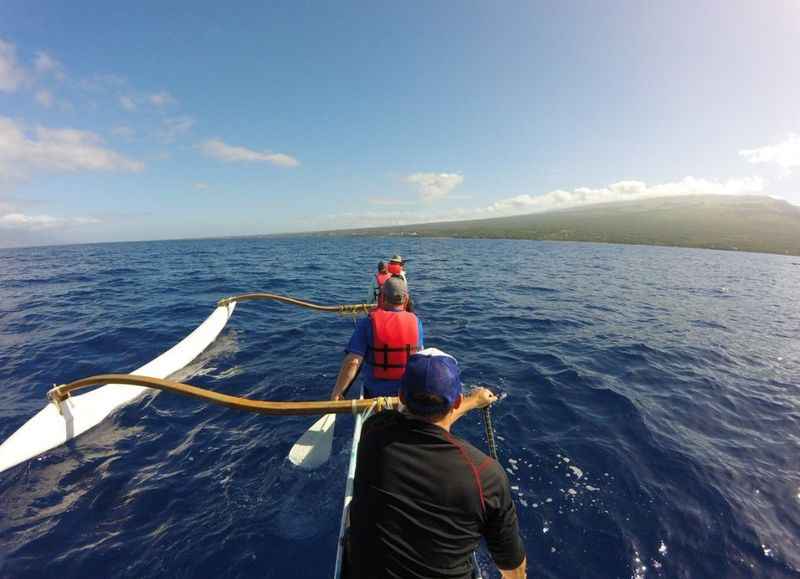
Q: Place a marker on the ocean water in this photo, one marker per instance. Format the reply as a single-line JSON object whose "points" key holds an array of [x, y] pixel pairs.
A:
{"points": [[650, 425]]}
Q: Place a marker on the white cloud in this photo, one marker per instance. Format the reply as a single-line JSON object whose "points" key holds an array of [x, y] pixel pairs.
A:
{"points": [[558, 199], [785, 154], [390, 202], [13, 217], [174, 127], [433, 186], [218, 150], [44, 98], [127, 103], [46, 64], [12, 75], [24, 151], [39, 222], [161, 99], [200, 186], [623, 191]]}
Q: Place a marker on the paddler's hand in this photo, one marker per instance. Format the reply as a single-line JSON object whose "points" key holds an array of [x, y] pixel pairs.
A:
{"points": [[482, 397]]}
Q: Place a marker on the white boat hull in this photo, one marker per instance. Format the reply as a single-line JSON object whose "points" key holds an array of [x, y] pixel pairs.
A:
{"points": [[51, 428], [348, 494]]}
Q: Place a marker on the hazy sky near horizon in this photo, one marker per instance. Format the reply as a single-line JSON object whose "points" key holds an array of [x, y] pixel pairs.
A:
{"points": [[152, 120]]}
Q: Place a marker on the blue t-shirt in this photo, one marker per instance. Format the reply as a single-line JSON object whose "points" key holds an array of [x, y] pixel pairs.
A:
{"points": [[359, 344]]}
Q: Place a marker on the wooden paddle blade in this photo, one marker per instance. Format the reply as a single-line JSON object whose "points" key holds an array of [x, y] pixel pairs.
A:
{"points": [[314, 447]]}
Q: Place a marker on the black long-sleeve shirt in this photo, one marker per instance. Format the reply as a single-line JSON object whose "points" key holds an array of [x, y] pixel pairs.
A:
{"points": [[422, 500]]}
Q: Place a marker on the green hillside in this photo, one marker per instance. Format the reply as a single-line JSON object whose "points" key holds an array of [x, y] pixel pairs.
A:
{"points": [[745, 223]]}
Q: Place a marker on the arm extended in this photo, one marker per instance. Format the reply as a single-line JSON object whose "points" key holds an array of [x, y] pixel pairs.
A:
{"points": [[347, 373], [478, 398]]}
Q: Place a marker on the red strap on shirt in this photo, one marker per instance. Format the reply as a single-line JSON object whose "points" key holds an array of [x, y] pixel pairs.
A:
{"points": [[472, 467]]}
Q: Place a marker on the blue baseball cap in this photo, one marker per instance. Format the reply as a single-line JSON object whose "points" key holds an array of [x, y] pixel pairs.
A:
{"points": [[430, 371]]}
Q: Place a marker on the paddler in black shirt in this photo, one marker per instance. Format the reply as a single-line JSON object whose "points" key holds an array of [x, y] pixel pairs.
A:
{"points": [[423, 498]]}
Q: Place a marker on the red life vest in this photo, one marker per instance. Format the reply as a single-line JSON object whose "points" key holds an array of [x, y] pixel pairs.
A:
{"points": [[380, 278], [395, 336]]}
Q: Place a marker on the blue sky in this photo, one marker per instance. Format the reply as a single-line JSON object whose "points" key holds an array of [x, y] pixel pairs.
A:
{"points": [[154, 120]]}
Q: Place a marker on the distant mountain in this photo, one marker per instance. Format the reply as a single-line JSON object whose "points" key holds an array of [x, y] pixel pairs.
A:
{"points": [[745, 223]]}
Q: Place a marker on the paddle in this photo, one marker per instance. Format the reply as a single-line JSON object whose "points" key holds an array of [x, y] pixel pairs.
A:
{"points": [[313, 448]]}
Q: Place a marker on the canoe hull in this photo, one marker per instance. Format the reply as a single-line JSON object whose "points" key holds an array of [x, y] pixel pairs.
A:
{"points": [[348, 494]]}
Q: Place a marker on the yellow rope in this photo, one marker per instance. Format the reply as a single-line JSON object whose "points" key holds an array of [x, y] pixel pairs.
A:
{"points": [[61, 393]]}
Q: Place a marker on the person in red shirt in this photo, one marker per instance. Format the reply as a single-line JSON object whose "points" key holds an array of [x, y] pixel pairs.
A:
{"points": [[397, 267], [380, 277]]}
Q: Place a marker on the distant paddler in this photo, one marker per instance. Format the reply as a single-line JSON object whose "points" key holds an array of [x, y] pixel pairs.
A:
{"points": [[377, 282], [423, 498], [397, 266], [384, 340]]}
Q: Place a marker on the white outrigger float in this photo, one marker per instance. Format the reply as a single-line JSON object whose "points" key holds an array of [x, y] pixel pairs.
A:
{"points": [[56, 424], [68, 416]]}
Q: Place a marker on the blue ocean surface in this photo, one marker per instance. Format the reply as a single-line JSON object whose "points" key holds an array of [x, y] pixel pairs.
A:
{"points": [[650, 425]]}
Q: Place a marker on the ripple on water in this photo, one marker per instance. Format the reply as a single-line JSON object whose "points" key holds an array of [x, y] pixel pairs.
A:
{"points": [[649, 426]]}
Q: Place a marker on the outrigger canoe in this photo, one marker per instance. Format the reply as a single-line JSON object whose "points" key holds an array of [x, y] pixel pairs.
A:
{"points": [[58, 423], [68, 416]]}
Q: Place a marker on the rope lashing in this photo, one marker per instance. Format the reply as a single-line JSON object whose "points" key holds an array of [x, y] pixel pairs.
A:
{"points": [[355, 309], [487, 425], [342, 309], [59, 394]]}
